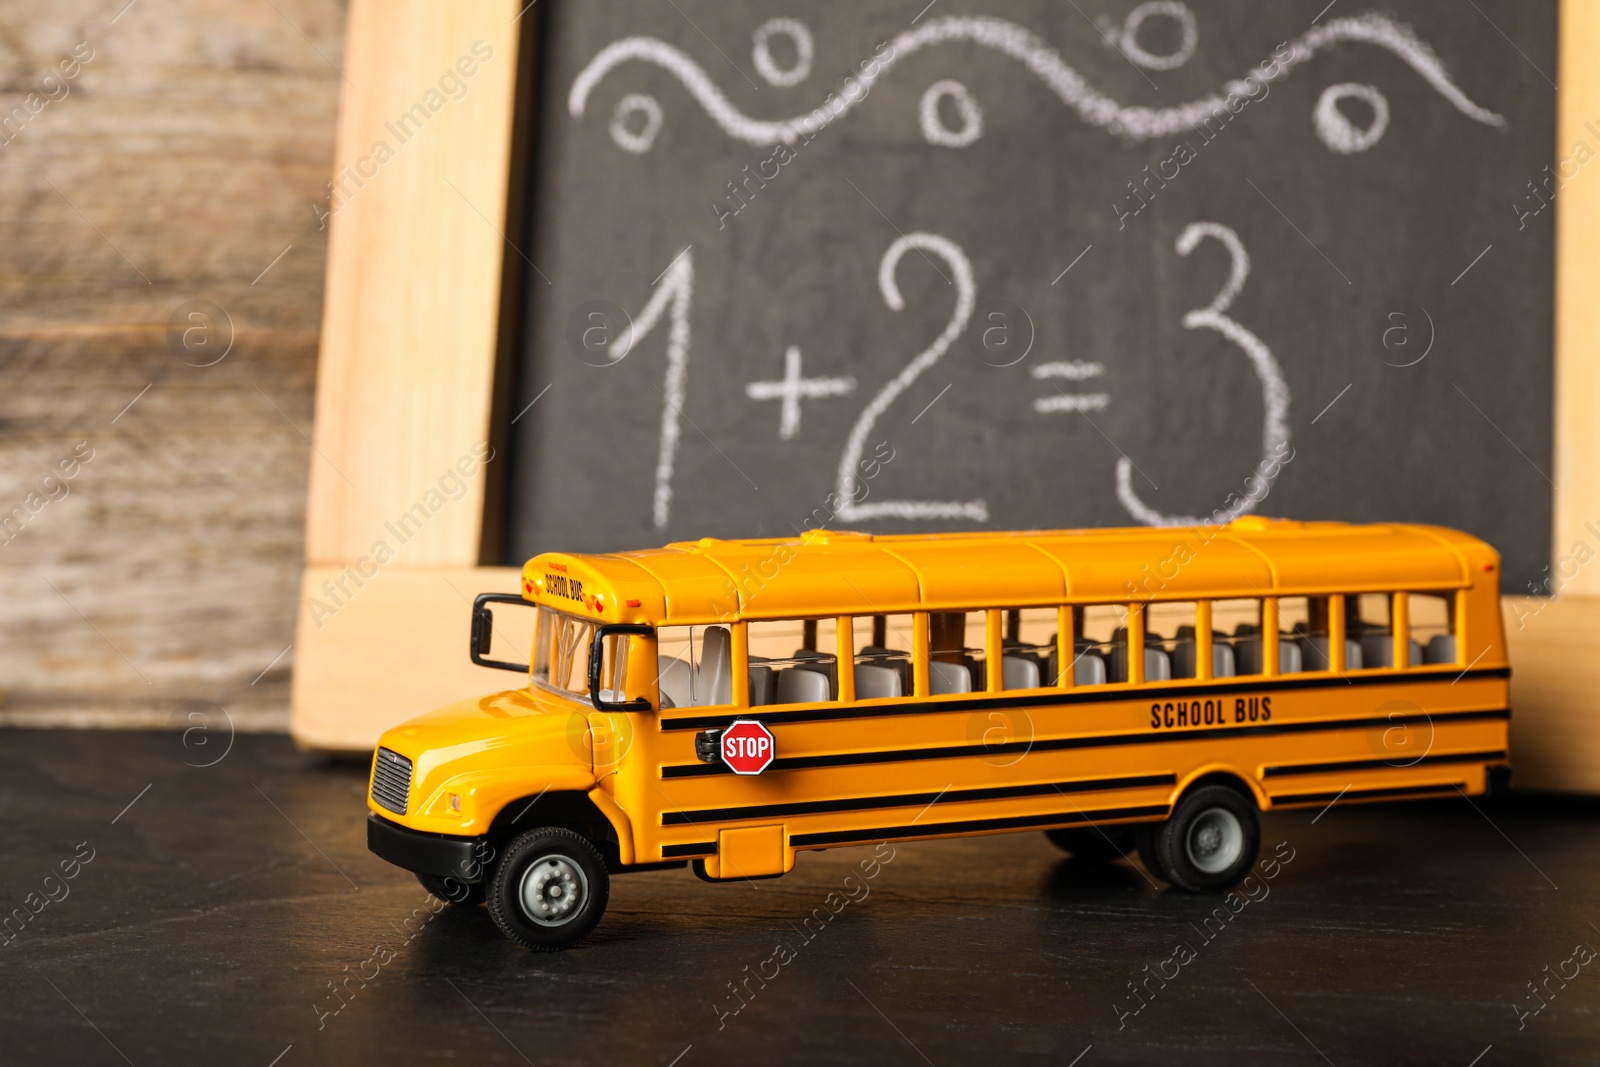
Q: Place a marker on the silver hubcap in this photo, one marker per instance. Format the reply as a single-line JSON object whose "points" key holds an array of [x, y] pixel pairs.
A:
{"points": [[553, 890], [1215, 840]]}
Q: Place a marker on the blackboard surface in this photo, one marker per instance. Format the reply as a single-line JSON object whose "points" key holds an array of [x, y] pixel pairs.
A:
{"points": [[1032, 265]]}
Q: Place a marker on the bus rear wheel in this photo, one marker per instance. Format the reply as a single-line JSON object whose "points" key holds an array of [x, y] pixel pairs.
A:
{"points": [[1210, 841], [549, 889]]}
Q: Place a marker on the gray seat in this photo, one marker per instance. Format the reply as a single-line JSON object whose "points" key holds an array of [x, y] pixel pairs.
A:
{"points": [[1019, 672], [1157, 665], [876, 683], [1247, 655], [1315, 653], [762, 684], [797, 685], [713, 678], [1441, 649], [1089, 669], [676, 679], [821, 662], [948, 678], [1184, 657]]}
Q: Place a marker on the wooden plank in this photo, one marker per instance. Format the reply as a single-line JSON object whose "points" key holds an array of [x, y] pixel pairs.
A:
{"points": [[1577, 356], [395, 648], [1555, 732], [421, 173], [176, 165]]}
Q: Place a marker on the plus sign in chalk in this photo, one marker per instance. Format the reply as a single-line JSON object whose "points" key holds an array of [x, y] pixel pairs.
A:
{"points": [[792, 389]]}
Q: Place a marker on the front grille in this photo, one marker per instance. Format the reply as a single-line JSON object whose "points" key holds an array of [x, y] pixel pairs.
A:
{"points": [[391, 781]]}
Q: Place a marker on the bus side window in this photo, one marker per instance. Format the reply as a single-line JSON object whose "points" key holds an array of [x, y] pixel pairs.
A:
{"points": [[792, 661], [1235, 637], [956, 652], [882, 656], [694, 666], [1302, 624], [1169, 628], [1433, 626], [1028, 648], [1102, 638], [1369, 623]]}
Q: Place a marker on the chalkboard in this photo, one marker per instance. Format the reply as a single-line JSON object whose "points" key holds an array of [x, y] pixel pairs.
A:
{"points": [[1020, 264]]}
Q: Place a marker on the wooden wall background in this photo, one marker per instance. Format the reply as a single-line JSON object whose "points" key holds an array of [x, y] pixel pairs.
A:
{"points": [[185, 157]]}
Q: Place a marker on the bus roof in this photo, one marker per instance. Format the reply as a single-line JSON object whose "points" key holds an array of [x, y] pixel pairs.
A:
{"points": [[829, 572]]}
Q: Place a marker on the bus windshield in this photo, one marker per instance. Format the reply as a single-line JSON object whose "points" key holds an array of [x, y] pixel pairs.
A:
{"points": [[561, 645]]}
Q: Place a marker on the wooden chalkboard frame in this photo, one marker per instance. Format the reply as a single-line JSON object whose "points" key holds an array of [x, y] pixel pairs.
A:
{"points": [[416, 354]]}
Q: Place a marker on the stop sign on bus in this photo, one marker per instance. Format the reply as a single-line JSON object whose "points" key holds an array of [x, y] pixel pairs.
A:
{"points": [[747, 747]]}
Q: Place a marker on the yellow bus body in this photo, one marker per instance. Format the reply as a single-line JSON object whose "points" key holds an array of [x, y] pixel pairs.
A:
{"points": [[851, 771]]}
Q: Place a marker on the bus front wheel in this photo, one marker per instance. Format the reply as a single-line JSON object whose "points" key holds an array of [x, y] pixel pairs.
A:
{"points": [[1209, 842], [549, 889]]}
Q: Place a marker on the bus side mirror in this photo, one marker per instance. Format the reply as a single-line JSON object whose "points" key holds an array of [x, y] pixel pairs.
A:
{"points": [[596, 662], [483, 630]]}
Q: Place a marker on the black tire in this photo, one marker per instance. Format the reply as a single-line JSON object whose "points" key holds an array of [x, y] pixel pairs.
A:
{"points": [[452, 891], [549, 889], [1210, 841], [1091, 844]]}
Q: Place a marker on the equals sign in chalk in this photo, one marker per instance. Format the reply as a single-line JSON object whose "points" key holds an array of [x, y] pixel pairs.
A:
{"points": [[1073, 371]]}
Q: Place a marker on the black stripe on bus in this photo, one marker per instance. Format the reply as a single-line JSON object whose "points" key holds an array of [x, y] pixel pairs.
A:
{"points": [[1380, 764], [1365, 794], [844, 759], [948, 796], [1035, 699], [972, 826], [698, 848]]}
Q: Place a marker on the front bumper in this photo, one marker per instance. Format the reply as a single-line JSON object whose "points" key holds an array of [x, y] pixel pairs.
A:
{"points": [[443, 855]]}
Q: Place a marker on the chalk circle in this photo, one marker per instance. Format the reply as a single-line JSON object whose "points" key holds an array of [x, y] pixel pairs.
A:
{"points": [[1336, 129], [971, 116], [1001, 333], [1172, 9], [200, 333], [797, 33], [638, 143], [599, 333]]}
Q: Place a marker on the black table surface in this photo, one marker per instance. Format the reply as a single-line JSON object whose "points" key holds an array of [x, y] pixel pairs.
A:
{"points": [[230, 914]]}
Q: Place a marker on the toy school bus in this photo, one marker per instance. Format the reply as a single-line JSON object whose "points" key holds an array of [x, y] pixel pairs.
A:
{"points": [[732, 703]]}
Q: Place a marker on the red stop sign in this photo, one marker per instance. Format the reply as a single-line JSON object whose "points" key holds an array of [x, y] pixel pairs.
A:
{"points": [[747, 747]]}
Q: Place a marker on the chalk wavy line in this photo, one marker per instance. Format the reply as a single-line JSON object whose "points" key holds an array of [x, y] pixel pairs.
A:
{"points": [[1094, 107]]}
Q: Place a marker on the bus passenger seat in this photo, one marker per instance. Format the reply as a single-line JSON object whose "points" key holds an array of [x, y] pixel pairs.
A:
{"points": [[1441, 649], [714, 677], [1157, 666], [876, 683], [1247, 654], [1019, 672], [1222, 665], [949, 678], [1090, 669], [1377, 650], [821, 663], [797, 685], [1289, 658], [761, 684], [676, 679], [1183, 653]]}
